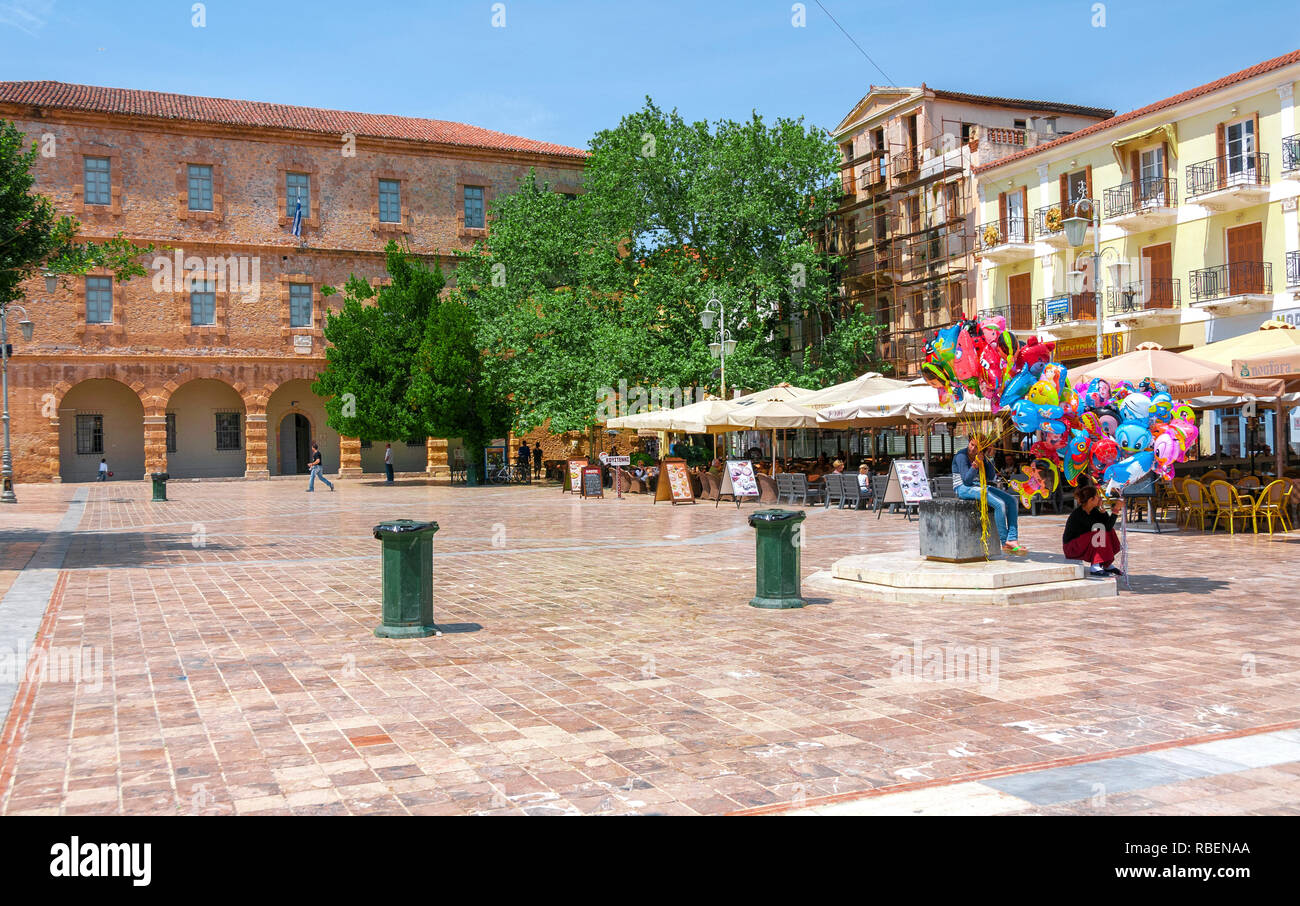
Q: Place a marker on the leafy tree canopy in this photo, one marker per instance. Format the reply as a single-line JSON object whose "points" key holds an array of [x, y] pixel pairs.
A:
{"points": [[574, 296]]}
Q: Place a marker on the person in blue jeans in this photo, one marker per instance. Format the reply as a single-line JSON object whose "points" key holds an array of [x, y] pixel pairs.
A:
{"points": [[316, 471], [966, 466]]}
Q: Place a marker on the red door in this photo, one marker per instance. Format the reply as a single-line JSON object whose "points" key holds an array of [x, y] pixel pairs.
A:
{"points": [[1246, 259], [1019, 288], [1160, 275]]}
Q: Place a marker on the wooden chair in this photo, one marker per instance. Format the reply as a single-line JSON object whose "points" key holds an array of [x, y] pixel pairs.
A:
{"points": [[834, 490], [1199, 503], [1227, 502], [708, 486], [1272, 502]]}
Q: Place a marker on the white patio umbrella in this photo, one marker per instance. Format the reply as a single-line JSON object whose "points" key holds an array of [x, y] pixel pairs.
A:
{"points": [[772, 414]]}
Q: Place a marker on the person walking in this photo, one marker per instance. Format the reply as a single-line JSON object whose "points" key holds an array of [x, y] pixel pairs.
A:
{"points": [[388, 462], [537, 459], [1090, 534], [316, 472], [966, 468], [103, 470]]}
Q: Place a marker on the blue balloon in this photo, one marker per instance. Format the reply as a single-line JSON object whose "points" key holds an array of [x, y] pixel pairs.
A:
{"points": [[1132, 437], [1017, 387], [1124, 472]]}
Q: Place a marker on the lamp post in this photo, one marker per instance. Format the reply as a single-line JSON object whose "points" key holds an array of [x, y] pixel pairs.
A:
{"points": [[26, 326], [1076, 230], [725, 345]]}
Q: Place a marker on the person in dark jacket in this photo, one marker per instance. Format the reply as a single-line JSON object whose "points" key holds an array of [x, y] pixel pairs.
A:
{"points": [[966, 466], [1090, 534]]}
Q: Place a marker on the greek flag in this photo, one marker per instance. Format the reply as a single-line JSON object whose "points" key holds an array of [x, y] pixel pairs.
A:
{"points": [[297, 216]]}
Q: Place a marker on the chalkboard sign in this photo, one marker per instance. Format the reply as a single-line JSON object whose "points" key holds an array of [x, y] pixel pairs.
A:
{"points": [[674, 482], [575, 476], [592, 486]]}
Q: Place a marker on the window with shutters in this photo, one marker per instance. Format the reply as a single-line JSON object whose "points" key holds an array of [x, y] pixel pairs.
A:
{"points": [[98, 180], [1239, 142], [1076, 186]]}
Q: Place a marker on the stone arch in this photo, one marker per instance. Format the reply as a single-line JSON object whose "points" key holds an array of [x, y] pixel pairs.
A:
{"points": [[113, 429], [294, 395], [208, 443]]}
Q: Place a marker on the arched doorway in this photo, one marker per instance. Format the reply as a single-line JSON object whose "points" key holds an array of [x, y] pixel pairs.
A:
{"points": [[101, 419], [295, 444], [294, 397]]}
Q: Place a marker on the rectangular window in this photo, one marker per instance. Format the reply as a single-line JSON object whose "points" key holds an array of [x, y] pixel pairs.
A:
{"points": [[297, 186], [1241, 148], [300, 305], [228, 433], [417, 442], [90, 434], [200, 179], [473, 207], [98, 180], [99, 300], [203, 303], [390, 201], [366, 445], [1152, 186], [1077, 186], [171, 432]]}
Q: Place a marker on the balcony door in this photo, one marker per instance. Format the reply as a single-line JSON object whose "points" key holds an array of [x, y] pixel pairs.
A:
{"points": [[1019, 293], [1239, 146], [1153, 177], [1159, 261], [1246, 259]]}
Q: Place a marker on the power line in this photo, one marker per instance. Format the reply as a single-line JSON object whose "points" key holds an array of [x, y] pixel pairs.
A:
{"points": [[857, 45]]}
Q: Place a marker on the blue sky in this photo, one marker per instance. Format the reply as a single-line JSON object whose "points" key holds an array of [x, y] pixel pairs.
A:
{"points": [[561, 69]]}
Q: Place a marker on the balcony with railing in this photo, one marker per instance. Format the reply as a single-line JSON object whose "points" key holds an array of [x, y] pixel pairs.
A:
{"points": [[1236, 288], [1291, 154], [1292, 269], [1154, 300], [1142, 204], [1229, 182], [1067, 315], [905, 163], [1004, 241], [1049, 220]]}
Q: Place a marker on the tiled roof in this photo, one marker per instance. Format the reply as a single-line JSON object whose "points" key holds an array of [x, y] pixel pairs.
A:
{"points": [[1022, 103], [1208, 88], [258, 115]]}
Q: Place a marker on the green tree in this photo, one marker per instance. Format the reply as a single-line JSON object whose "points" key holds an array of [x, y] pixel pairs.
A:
{"points": [[33, 238], [402, 361], [574, 296]]}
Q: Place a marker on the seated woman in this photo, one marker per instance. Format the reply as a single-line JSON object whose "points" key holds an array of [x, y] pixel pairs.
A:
{"points": [[1090, 534], [838, 467], [966, 468], [864, 480]]}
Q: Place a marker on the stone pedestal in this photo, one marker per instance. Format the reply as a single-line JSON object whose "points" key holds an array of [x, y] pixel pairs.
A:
{"points": [[155, 443], [951, 532], [437, 465], [349, 457], [255, 462]]}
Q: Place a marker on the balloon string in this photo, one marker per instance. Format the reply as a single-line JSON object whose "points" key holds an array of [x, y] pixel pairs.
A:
{"points": [[984, 509]]}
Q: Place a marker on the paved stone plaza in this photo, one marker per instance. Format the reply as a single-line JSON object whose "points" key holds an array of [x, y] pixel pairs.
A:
{"points": [[599, 657]]}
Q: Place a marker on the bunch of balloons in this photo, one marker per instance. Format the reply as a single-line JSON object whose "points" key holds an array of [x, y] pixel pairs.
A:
{"points": [[1116, 432]]}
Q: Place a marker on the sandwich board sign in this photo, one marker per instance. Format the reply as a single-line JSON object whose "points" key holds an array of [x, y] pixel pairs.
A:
{"points": [[674, 482], [592, 485], [574, 484], [738, 480], [907, 483]]}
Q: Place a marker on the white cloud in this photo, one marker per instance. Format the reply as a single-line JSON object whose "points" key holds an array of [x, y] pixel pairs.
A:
{"points": [[28, 16]]}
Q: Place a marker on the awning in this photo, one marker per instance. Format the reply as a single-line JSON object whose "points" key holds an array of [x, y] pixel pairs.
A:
{"points": [[1166, 132]]}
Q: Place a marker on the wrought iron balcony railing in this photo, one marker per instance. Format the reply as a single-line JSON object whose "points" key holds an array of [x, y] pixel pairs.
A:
{"points": [[1050, 219], [904, 162], [1140, 195], [1229, 171], [1291, 153], [1234, 279], [1000, 232], [1065, 307], [1293, 269], [1154, 293]]}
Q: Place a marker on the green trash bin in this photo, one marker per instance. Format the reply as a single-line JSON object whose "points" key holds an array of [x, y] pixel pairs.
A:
{"points": [[407, 579], [159, 485], [776, 548]]}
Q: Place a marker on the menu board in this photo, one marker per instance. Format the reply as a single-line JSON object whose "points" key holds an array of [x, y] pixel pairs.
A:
{"points": [[907, 482], [738, 480], [592, 486], [575, 476], [674, 482]]}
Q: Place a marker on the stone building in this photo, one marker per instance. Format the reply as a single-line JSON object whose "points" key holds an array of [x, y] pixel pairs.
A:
{"points": [[204, 367]]}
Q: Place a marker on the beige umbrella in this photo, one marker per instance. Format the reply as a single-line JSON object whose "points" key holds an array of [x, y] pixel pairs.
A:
{"points": [[1187, 377], [1279, 364], [868, 384], [772, 414]]}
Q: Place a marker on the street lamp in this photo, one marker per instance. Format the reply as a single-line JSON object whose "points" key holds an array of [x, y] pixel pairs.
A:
{"points": [[714, 312], [27, 327], [51, 281], [1083, 215]]}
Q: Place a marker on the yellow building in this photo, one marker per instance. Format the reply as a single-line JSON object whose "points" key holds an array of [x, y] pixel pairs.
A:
{"points": [[1196, 199]]}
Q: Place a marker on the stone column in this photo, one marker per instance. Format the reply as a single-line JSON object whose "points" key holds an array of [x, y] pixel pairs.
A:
{"points": [[52, 456], [155, 443], [349, 457], [255, 464], [437, 465]]}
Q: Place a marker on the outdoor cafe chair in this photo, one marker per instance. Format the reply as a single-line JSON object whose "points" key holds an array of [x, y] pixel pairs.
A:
{"points": [[943, 486], [1247, 481], [802, 491], [879, 484], [1272, 502], [1228, 502], [785, 487], [769, 490], [852, 492], [834, 490], [1213, 475], [1199, 503]]}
